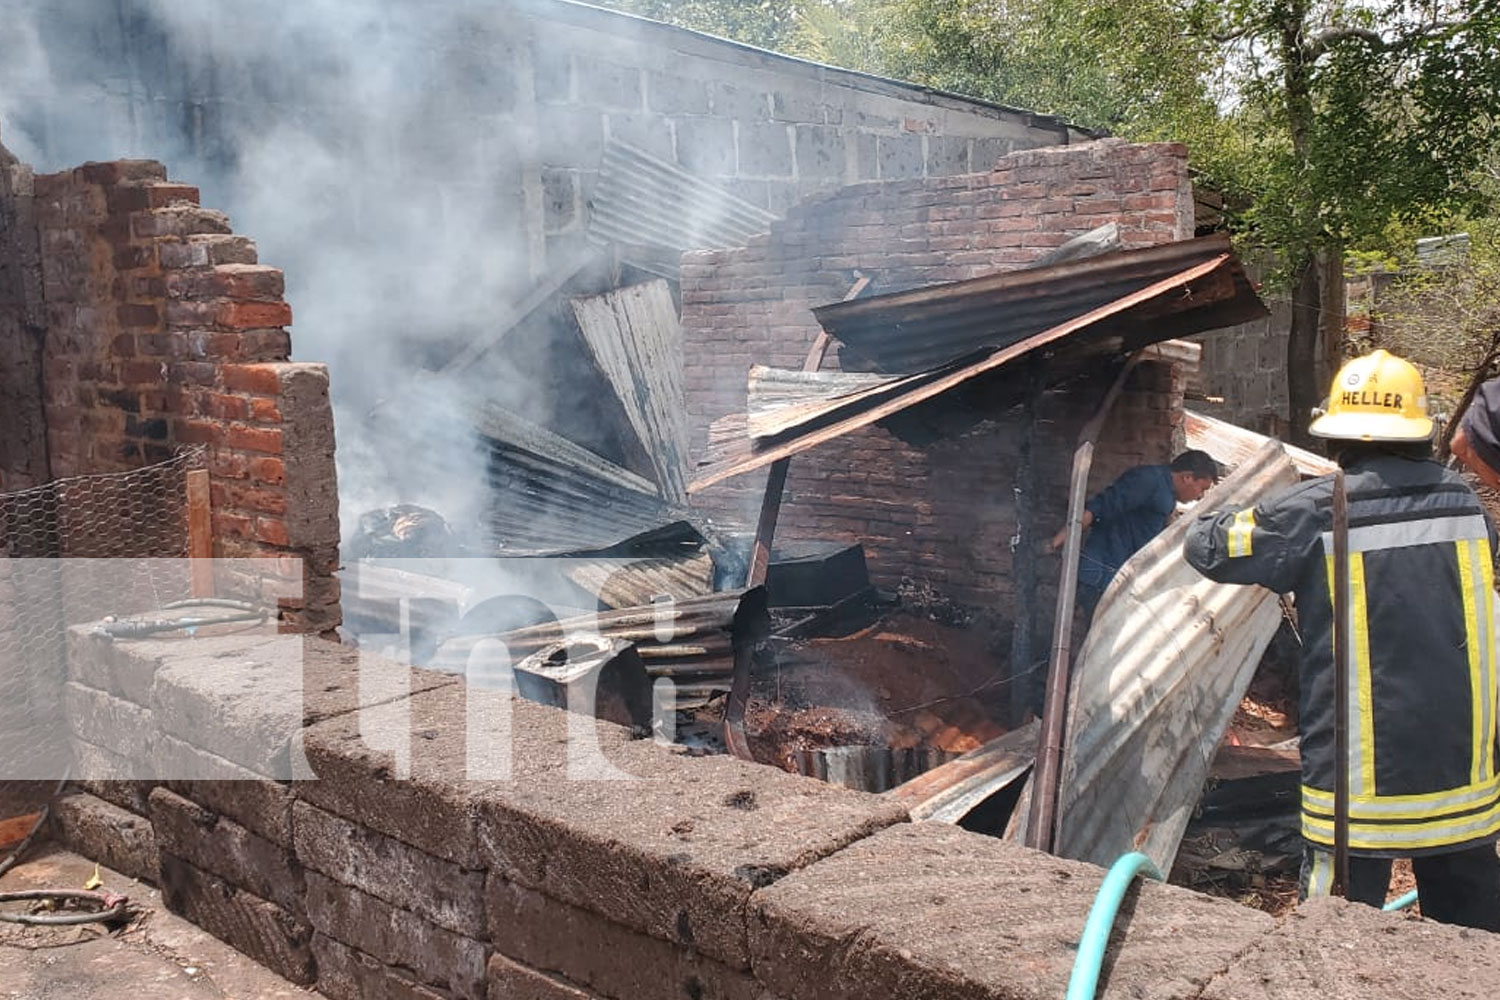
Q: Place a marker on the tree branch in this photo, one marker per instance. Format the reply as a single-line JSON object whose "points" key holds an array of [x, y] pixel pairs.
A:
{"points": [[1326, 40]]}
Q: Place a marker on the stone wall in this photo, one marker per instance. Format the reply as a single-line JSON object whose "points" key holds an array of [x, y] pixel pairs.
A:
{"points": [[163, 331], [942, 514], [417, 865]]}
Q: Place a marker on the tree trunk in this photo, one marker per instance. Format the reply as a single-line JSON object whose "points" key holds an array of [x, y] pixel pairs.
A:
{"points": [[1303, 391]]}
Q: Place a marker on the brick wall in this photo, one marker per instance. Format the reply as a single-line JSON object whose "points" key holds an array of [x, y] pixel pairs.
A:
{"points": [[943, 514], [164, 331], [23, 445]]}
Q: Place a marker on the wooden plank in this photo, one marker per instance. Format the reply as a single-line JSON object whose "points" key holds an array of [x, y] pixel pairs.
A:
{"points": [[200, 533]]}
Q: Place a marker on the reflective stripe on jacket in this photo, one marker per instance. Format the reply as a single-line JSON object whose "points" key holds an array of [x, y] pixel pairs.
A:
{"points": [[1423, 684]]}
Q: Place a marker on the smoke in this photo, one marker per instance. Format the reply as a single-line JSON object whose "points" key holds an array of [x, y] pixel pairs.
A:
{"points": [[367, 148]]}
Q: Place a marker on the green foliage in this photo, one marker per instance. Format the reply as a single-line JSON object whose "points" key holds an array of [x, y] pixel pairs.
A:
{"points": [[770, 24]]}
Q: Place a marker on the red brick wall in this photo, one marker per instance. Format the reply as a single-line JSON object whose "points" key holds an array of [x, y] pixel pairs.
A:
{"points": [[162, 331], [942, 514]]}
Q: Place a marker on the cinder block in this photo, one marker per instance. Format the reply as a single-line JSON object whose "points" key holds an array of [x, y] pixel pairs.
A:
{"points": [[345, 974], [1331, 948], [123, 728], [107, 834], [219, 846], [257, 927], [398, 873], [939, 911], [260, 805], [452, 741], [398, 937], [111, 777], [513, 981], [677, 853], [601, 955]]}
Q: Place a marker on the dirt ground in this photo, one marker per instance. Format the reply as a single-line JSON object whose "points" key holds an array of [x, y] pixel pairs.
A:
{"points": [[157, 955], [904, 681]]}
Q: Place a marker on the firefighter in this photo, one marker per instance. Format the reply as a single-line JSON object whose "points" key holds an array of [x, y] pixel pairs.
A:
{"points": [[1422, 674]]}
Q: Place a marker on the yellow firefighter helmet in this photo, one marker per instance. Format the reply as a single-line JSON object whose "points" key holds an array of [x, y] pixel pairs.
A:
{"points": [[1377, 397]]}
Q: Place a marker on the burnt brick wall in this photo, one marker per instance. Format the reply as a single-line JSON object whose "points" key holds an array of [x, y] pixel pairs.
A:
{"points": [[942, 514], [163, 330], [23, 445]]}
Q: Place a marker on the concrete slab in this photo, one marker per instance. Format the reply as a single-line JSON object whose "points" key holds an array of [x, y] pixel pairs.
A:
{"points": [[158, 956], [256, 803], [929, 910], [1328, 949], [450, 741], [676, 853]]}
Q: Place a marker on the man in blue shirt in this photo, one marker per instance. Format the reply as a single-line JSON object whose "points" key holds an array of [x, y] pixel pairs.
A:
{"points": [[1130, 512]]}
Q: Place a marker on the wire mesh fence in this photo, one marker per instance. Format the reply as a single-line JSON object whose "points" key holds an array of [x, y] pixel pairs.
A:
{"points": [[78, 550]]}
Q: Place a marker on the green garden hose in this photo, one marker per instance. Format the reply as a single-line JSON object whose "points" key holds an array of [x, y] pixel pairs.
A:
{"points": [[1084, 981]]}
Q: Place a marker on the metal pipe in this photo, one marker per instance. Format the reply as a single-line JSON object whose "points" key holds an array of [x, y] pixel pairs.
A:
{"points": [[1340, 685], [1040, 831]]}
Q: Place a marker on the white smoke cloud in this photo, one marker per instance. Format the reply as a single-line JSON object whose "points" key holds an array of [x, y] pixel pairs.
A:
{"points": [[368, 150]]}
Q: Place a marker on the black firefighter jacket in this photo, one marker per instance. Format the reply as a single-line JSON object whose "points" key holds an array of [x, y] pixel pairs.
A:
{"points": [[1422, 682]]}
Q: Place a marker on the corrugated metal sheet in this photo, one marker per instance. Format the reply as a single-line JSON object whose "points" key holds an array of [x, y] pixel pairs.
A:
{"points": [[630, 583], [1167, 660], [642, 201], [779, 399], [1187, 301], [1231, 445], [917, 330], [948, 793], [635, 338], [551, 495], [691, 640]]}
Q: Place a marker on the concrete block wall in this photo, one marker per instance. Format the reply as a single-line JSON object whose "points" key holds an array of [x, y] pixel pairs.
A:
{"points": [[163, 330], [944, 513], [418, 865]]}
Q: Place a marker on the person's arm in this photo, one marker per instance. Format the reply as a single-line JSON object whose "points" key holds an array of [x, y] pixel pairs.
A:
{"points": [[1262, 545], [1463, 450], [1061, 538]]}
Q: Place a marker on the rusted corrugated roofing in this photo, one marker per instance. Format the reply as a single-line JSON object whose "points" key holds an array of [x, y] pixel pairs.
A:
{"points": [[920, 329], [1231, 445], [1203, 295], [551, 495], [1167, 659], [636, 340], [642, 201], [779, 399], [629, 583]]}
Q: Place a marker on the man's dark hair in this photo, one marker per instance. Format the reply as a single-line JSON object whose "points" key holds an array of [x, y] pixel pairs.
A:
{"points": [[1200, 463]]}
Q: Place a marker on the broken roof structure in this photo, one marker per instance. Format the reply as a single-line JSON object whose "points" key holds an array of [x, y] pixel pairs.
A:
{"points": [[1071, 315]]}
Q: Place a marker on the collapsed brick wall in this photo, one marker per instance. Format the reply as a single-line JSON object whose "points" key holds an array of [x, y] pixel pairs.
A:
{"points": [[678, 878], [942, 514], [164, 331]]}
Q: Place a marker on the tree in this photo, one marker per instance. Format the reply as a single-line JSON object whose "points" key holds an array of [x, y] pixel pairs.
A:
{"points": [[770, 24], [1362, 114]]}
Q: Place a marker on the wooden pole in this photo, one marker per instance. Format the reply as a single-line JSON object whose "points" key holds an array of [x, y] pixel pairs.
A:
{"points": [[200, 534], [1341, 598], [1041, 830]]}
